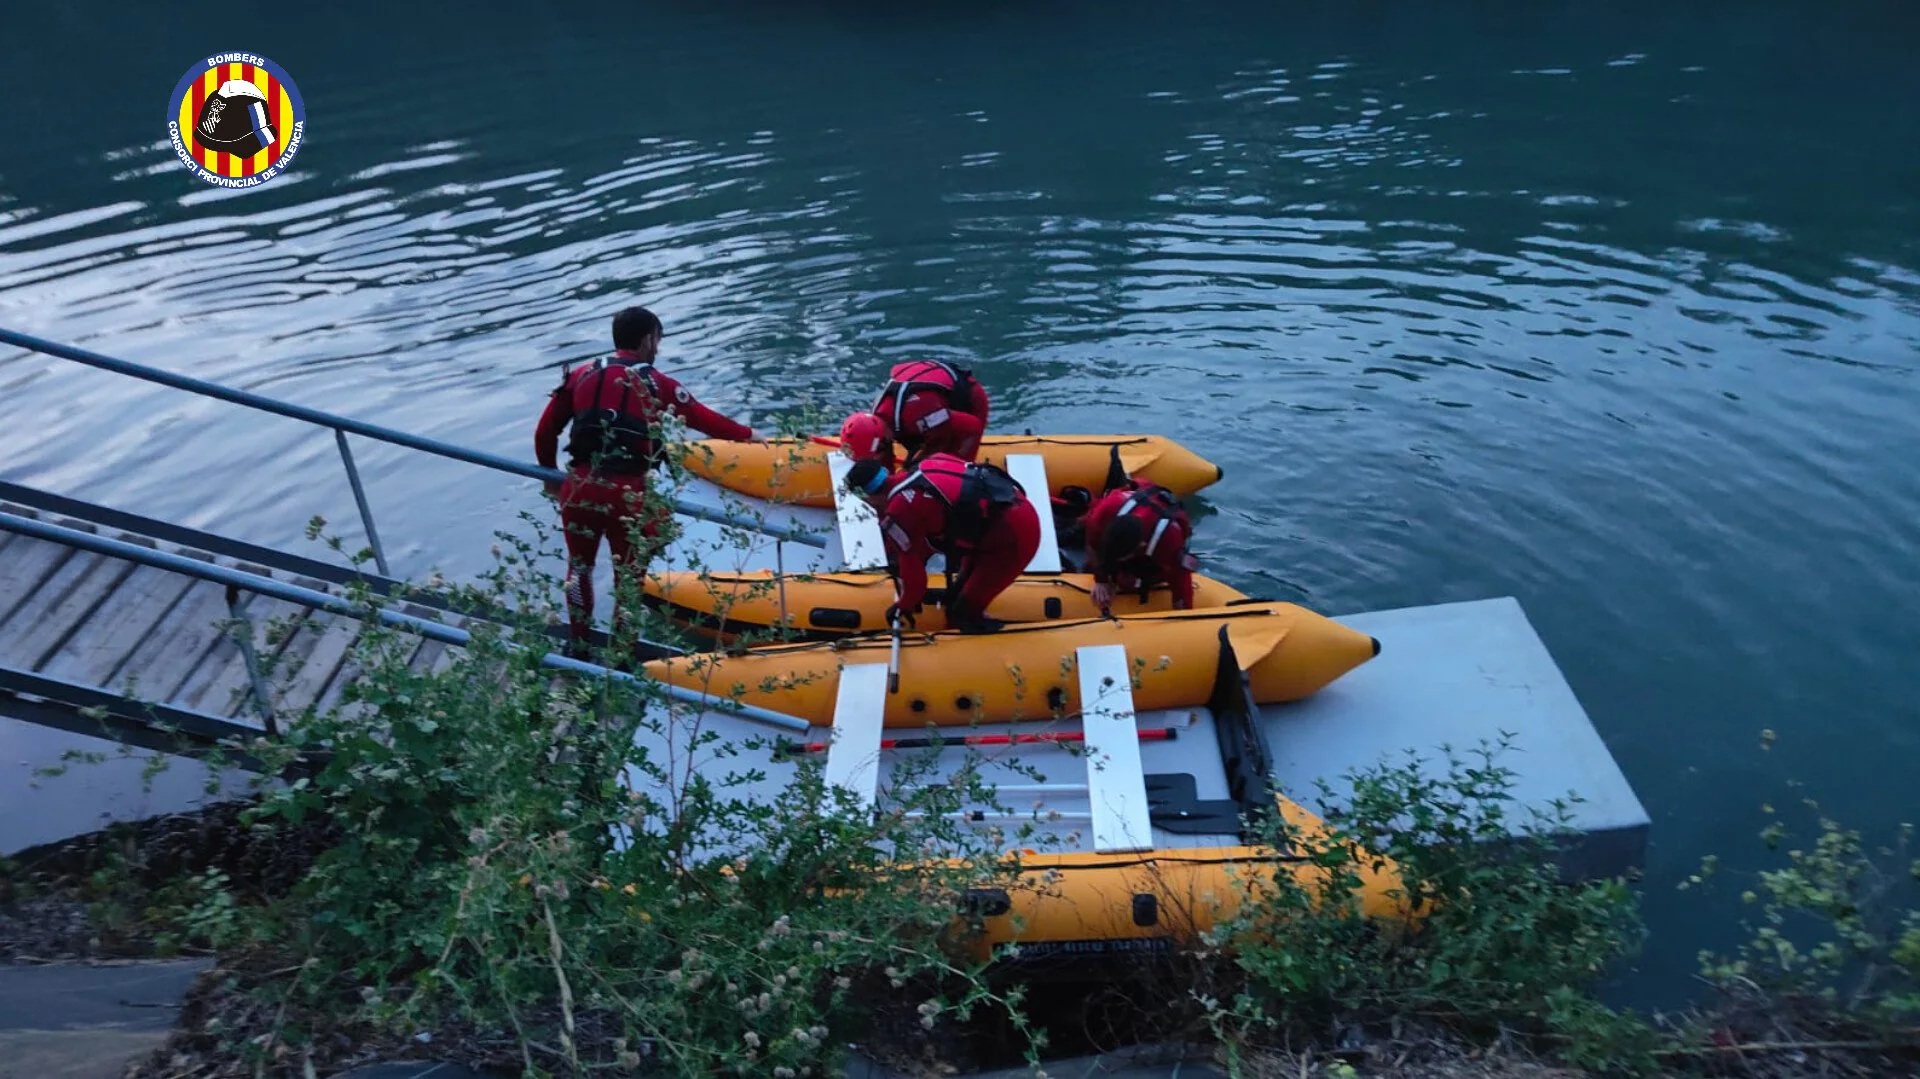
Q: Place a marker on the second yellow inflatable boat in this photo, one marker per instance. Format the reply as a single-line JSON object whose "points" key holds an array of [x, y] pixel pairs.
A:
{"points": [[824, 606], [794, 471], [1028, 671], [1091, 902]]}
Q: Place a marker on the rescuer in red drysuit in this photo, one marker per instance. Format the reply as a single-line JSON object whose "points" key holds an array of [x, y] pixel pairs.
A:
{"points": [[1137, 537], [975, 514], [615, 407], [927, 406]]}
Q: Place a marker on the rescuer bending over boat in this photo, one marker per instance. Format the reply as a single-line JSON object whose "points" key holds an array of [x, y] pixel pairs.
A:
{"points": [[927, 406], [1137, 537], [974, 514]]}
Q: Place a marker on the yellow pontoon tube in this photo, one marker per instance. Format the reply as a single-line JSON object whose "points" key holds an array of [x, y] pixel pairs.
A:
{"points": [[825, 606], [794, 471], [1086, 903], [1027, 671]]}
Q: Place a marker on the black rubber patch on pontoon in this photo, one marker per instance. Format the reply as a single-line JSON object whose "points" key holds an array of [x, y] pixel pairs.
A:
{"points": [[834, 618], [986, 902], [1052, 607], [1146, 909]]}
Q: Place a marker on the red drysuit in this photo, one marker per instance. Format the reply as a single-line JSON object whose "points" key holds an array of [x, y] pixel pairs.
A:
{"points": [[614, 409], [934, 407], [1161, 555], [975, 514]]}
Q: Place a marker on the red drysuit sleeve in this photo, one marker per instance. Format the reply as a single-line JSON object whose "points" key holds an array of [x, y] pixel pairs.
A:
{"points": [[1099, 516], [906, 526], [698, 416], [546, 435]]}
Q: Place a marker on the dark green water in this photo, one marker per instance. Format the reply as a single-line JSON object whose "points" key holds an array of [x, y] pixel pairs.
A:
{"points": [[1614, 312]]}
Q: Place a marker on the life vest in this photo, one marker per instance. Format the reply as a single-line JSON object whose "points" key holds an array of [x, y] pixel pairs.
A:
{"points": [[614, 436], [1157, 508], [908, 379], [976, 495]]}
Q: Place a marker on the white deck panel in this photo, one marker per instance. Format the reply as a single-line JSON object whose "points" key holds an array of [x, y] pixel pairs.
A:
{"points": [[1116, 791], [859, 526], [1193, 750], [1030, 471], [1457, 673], [734, 550], [859, 705]]}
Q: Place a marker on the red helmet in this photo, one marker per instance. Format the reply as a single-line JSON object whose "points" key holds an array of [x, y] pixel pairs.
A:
{"points": [[866, 436]]}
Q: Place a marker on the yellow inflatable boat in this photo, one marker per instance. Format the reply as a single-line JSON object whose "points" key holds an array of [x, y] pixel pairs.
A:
{"points": [[1027, 671], [794, 471], [1073, 874], [825, 606], [1071, 905]]}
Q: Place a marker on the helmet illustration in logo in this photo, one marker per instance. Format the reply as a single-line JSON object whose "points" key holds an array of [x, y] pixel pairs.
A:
{"points": [[235, 120]]}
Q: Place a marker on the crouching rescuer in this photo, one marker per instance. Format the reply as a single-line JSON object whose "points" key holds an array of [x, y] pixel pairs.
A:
{"points": [[615, 407], [928, 407], [975, 515], [1136, 537]]}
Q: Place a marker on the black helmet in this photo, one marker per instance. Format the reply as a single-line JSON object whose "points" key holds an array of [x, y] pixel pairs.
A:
{"points": [[235, 120]]}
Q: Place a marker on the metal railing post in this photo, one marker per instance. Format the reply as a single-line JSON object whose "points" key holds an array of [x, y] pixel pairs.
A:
{"points": [[360, 496], [780, 575], [256, 678]]}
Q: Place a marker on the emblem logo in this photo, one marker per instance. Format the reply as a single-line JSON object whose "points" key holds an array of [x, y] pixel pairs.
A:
{"points": [[236, 119]]}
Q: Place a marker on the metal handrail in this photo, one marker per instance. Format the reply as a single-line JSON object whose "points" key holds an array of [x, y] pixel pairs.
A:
{"points": [[102, 713], [273, 558], [342, 424], [308, 597]]}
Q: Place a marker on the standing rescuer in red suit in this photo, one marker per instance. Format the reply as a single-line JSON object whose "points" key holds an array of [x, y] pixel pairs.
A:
{"points": [[615, 407], [976, 515], [927, 406], [1137, 537]]}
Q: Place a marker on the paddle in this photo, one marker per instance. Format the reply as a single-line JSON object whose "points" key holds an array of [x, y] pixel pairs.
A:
{"points": [[893, 664], [1147, 734]]}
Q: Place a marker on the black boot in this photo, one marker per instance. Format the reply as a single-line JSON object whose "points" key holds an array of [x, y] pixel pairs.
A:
{"points": [[963, 617]]}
